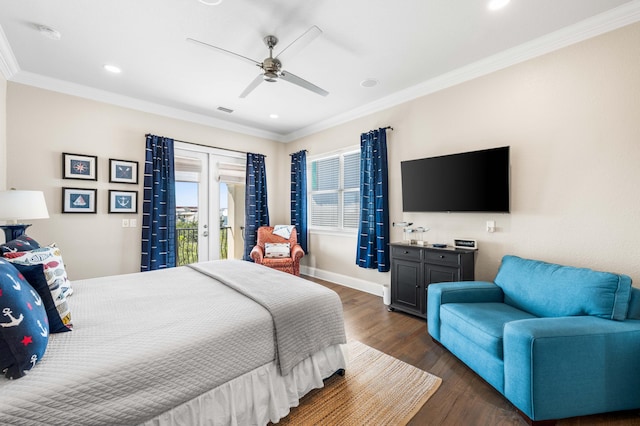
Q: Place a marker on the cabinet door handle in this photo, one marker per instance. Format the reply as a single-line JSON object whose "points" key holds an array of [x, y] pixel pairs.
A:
{"points": [[406, 252], [442, 256]]}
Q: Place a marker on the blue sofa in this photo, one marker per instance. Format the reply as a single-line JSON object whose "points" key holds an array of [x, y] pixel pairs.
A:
{"points": [[556, 341]]}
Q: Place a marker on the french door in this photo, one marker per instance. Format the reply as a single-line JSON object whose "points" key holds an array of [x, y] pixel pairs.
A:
{"points": [[209, 182]]}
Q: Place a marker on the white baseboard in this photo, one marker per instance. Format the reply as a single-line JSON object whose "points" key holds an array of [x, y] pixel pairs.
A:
{"points": [[343, 280]]}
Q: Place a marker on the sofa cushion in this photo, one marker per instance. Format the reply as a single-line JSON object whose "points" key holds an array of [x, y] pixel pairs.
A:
{"points": [[549, 290], [482, 323]]}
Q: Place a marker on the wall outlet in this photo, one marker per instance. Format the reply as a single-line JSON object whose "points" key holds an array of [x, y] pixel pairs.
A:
{"points": [[133, 223], [125, 223]]}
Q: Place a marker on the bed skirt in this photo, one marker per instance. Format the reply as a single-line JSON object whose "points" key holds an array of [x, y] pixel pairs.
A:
{"points": [[257, 397]]}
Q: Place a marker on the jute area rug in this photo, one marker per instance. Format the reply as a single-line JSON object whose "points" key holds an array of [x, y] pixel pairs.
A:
{"points": [[377, 389]]}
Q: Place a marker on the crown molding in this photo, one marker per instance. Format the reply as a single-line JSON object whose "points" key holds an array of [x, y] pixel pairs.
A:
{"points": [[613, 19], [8, 63], [104, 96]]}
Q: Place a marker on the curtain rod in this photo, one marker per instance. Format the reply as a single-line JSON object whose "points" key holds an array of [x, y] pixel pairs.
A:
{"points": [[206, 146], [382, 128], [388, 127]]}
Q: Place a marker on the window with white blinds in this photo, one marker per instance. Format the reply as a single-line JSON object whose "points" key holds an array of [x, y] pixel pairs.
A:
{"points": [[334, 201]]}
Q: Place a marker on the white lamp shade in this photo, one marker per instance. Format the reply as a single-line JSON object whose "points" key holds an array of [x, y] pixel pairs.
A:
{"points": [[16, 205]]}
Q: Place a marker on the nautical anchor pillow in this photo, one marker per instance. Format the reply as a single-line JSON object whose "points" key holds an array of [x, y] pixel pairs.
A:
{"points": [[24, 330], [22, 243], [53, 299]]}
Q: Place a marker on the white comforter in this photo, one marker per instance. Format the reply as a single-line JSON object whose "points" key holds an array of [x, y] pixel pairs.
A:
{"points": [[141, 345]]}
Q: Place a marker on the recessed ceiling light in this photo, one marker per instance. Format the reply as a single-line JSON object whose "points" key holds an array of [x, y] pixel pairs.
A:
{"points": [[112, 68], [211, 2], [274, 116], [497, 4], [369, 82], [49, 32]]}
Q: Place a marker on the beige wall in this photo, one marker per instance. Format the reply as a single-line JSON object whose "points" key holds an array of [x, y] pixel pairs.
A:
{"points": [[43, 124], [3, 132], [571, 118]]}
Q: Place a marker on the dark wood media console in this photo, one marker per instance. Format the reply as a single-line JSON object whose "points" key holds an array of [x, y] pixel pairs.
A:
{"points": [[414, 267]]}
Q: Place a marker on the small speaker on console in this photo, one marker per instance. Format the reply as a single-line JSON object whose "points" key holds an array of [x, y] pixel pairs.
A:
{"points": [[465, 243]]}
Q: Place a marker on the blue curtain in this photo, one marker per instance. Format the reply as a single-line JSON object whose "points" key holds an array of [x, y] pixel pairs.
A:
{"points": [[299, 196], [159, 206], [373, 240], [256, 213]]}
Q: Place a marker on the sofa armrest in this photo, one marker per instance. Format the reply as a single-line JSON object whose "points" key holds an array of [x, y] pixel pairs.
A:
{"points": [[457, 292], [296, 252], [572, 366], [257, 254]]}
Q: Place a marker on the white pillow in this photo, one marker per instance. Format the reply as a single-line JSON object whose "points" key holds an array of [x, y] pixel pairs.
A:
{"points": [[272, 250], [283, 231]]}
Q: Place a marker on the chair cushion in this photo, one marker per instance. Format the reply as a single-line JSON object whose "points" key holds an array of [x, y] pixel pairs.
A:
{"points": [[549, 290], [272, 250], [482, 323]]}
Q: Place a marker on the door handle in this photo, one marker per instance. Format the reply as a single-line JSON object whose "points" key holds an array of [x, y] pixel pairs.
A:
{"points": [[205, 234]]}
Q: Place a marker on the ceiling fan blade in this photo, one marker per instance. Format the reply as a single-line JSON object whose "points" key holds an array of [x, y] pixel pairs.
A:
{"points": [[300, 43], [292, 78], [256, 81], [236, 55]]}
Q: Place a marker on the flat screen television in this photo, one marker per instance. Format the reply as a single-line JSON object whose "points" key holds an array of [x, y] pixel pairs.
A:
{"points": [[476, 181]]}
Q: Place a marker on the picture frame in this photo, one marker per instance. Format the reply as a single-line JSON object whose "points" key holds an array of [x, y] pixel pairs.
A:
{"points": [[79, 166], [123, 171], [79, 200], [123, 201]]}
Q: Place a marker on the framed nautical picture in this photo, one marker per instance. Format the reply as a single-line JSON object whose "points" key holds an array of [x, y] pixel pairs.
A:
{"points": [[78, 200], [123, 171], [78, 166], [123, 201]]}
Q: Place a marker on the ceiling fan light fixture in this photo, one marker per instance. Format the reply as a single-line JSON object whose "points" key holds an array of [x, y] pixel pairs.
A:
{"points": [[211, 2], [274, 116], [270, 77]]}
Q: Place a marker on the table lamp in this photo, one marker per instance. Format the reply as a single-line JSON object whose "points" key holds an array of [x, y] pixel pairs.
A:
{"points": [[19, 205]]}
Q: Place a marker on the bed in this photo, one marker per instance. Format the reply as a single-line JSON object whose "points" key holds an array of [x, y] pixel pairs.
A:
{"points": [[221, 342]]}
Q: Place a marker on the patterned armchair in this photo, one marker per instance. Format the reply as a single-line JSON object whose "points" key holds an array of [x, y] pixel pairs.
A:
{"points": [[290, 264]]}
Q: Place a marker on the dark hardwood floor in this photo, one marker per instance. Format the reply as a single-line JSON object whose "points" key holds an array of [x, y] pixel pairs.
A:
{"points": [[463, 398]]}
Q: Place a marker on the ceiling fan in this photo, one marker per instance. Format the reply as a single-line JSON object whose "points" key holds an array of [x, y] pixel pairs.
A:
{"points": [[272, 66]]}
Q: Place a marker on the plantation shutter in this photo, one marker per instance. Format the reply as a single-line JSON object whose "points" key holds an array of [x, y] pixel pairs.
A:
{"points": [[351, 194], [335, 191], [325, 183]]}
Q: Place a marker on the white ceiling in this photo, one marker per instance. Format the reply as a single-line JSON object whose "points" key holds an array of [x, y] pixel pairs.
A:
{"points": [[412, 47]]}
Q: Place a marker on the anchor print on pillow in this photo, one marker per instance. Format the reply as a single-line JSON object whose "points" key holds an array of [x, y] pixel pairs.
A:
{"points": [[24, 328]]}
